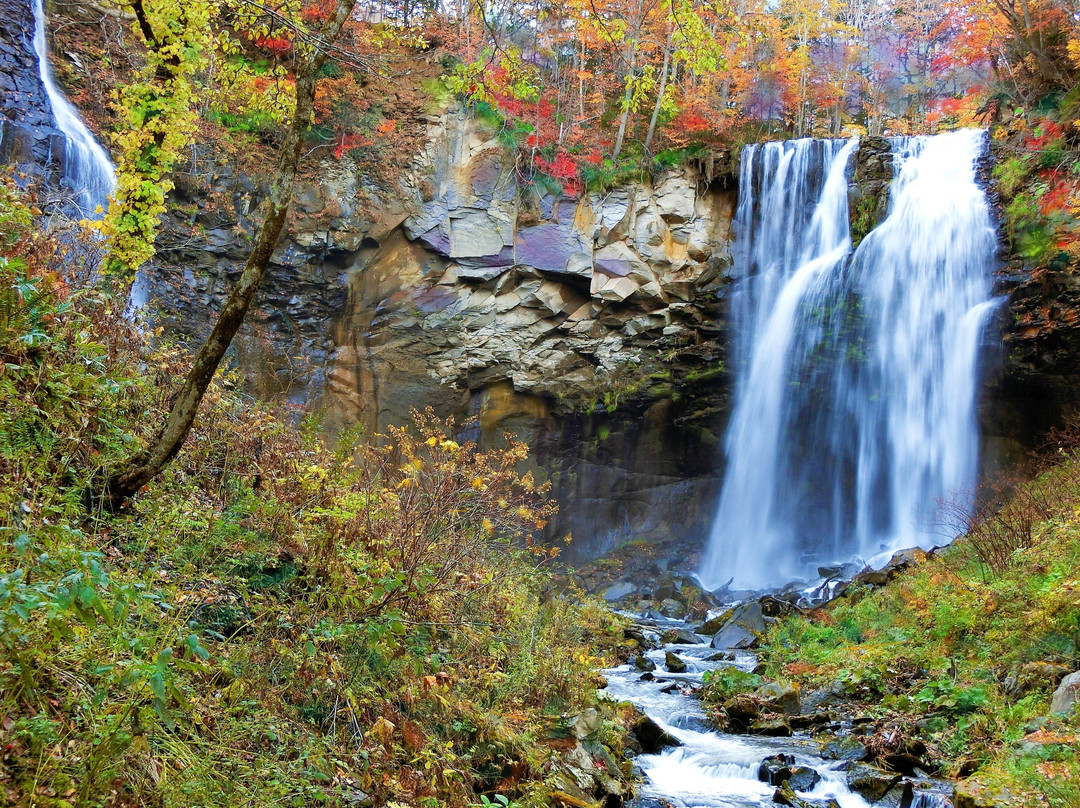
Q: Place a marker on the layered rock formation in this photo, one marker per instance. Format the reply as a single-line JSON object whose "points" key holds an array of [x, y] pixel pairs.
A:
{"points": [[589, 326]]}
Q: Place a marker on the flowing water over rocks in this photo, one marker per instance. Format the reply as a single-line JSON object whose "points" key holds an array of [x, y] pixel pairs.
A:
{"points": [[699, 767], [856, 369]]}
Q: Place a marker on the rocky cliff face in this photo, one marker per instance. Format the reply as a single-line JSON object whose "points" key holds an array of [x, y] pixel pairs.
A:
{"points": [[28, 135], [591, 327]]}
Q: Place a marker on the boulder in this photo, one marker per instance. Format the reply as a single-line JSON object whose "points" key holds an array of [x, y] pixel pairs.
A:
{"points": [[742, 629], [652, 737], [875, 786], [844, 748], [673, 663], [683, 637], [774, 768], [618, 591], [643, 663], [1067, 694], [741, 710], [778, 698], [780, 769], [672, 608]]}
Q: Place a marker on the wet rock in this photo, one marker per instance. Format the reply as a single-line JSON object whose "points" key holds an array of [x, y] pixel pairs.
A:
{"points": [[844, 748], [774, 769], [637, 634], [643, 663], [785, 795], [682, 636], [673, 663], [1067, 695], [651, 736], [780, 769], [875, 786], [722, 656], [740, 711], [771, 727]]}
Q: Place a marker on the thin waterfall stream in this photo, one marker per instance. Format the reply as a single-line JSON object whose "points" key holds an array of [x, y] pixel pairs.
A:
{"points": [[88, 172]]}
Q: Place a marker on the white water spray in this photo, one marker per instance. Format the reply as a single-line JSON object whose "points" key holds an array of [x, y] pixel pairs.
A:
{"points": [[856, 373], [88, 173]]}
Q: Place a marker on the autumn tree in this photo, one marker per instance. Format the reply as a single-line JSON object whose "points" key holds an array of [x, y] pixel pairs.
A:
{"points": [[311, 46]]}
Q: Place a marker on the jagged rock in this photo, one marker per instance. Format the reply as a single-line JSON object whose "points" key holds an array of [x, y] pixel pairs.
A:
{"points": [[742, 629], [585, 724], [778, 698], [652, 737], [673, 663], [1066, 696]]}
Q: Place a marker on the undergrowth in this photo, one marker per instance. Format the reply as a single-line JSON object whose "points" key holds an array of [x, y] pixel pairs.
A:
{"points": [[966, 650], [273, 622]]}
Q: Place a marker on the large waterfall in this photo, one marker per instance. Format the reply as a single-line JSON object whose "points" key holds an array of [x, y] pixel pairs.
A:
{"points": [[88, 173], [856, 371]]}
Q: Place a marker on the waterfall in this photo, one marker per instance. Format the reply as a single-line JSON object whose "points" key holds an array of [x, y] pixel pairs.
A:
{"points": [[88, 173], [856, 371]]}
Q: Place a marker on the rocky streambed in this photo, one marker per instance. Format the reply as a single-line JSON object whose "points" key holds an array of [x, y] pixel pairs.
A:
{"points": [[769, 746]]}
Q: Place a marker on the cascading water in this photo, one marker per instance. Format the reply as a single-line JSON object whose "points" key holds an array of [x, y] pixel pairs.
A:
{"points": [[856, 371], [88, 173]]}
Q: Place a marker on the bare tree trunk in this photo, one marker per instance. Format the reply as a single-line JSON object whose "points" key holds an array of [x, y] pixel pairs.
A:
{"points": [[659, 96], [149, 462], [627, 95]]}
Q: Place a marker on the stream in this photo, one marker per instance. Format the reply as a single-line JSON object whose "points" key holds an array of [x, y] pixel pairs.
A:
{"points": [[717, 769]]}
